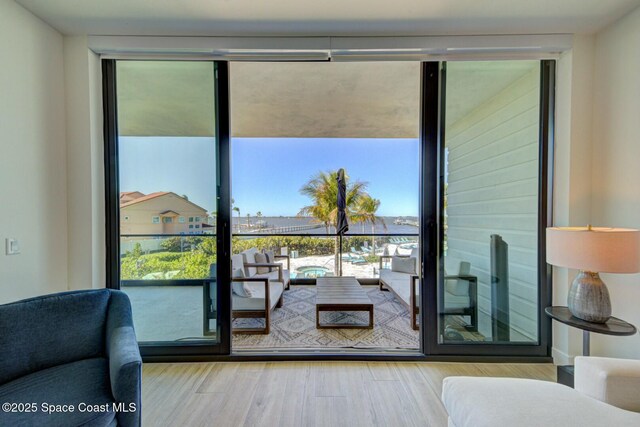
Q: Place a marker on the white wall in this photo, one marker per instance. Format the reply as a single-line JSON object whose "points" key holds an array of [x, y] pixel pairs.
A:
{"points": [[615, 167], [572, 180], [85, 170], [33, 182], [493, 189]]}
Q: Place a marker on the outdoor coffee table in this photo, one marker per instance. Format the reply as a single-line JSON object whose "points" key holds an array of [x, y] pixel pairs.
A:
{"points": [[341, 294]]}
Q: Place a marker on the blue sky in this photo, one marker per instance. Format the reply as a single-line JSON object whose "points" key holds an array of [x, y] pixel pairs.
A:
{"points": [[267, 173]]}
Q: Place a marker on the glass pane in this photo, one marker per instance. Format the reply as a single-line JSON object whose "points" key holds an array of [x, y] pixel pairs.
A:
{"points": [[489, 280], [294, 125], [168, 201]]}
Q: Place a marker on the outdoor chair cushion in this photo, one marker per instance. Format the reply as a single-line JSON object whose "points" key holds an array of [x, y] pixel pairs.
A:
{"points": [[256, 301], [459, 287], [273, 276], [249, 257], [270, 256], [261, 258], [403, 265], [68, 384], [456, 301], [240, 288], [400, 283]]}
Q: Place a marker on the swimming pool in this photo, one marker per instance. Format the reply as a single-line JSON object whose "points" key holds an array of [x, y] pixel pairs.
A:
{"points": [[310, 272]]}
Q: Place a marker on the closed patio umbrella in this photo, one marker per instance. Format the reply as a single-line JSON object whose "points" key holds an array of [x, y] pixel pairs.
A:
{"points": [[342, 224]]}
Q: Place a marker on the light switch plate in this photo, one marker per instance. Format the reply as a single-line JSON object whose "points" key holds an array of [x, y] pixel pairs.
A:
{"points": [[12, 246]]}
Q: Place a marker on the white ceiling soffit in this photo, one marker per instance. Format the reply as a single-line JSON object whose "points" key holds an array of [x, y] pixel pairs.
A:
{"points": [[327, 17], [336, 48]]}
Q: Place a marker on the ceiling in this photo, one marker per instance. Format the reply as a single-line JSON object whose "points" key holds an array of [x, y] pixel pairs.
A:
{"points": [[299, 100], [327, 17], [325, 99]]}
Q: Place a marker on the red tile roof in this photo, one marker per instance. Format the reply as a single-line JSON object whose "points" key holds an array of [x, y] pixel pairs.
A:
{"points": [[144, 198]]}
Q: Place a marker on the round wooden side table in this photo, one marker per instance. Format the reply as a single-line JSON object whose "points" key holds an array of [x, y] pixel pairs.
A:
{"points": [[613, 326]]}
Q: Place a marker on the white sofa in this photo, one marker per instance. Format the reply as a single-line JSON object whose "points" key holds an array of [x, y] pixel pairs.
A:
{"points": [[255, 295], [607, 393], [459, 296]]}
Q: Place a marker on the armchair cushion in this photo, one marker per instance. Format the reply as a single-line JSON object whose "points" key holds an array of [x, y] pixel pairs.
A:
{"points": [[613, 381], [31, 337], [68, 384]]}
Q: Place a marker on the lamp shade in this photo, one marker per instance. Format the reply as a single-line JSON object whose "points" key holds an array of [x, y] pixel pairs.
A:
{"points": [[595, 249]]}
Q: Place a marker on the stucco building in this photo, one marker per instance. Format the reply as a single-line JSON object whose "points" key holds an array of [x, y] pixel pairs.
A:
{"points": [[160, 213]]}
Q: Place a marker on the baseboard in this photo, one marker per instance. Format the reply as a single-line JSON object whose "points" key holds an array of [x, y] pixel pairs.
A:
{"points": [[560, 357]]}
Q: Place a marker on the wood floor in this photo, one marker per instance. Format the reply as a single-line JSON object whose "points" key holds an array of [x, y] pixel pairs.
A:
{"points": [[308, 393]]}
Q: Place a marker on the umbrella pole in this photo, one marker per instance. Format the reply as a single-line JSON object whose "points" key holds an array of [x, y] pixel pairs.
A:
{"points": [[340, 255]]}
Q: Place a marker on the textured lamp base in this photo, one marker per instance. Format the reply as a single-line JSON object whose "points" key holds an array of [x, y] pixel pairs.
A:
{"points": [[589, 298]]}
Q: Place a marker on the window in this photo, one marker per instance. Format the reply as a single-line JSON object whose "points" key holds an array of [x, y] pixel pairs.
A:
{"points": [[197, 219], [197, 226], [190, 219], [190, 225], [181, 220], [167, 220], [155, 219]]}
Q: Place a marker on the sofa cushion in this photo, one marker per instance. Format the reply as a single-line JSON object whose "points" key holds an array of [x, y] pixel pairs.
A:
{"points": [[256, 302], [249, 257], [270, 256], [261, 259], [81, 382], [237, 262], [273, 276], [403, 265], [484, 402], [30, 344], [240, 288], [400, 284]]}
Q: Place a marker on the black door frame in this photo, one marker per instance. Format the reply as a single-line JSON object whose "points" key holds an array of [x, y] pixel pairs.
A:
{"points": [[434, 272], [150, 350], [433, 78]]}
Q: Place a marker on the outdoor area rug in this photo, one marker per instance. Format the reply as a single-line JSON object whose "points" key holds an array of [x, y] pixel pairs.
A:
{"points": [[294, 325]]}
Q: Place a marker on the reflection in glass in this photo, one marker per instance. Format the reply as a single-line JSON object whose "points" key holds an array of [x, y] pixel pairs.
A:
{"points": [[168, 203], [489, 283]]}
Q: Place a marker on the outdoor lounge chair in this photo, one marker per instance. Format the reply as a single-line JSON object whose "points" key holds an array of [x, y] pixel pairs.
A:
{"points": [[255, 295]]}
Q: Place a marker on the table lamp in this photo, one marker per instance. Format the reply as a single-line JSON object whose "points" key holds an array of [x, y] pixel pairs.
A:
{"points": [[593, 250]]}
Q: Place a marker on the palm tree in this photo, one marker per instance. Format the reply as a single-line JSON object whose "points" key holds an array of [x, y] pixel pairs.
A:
{"points": [[366, 212], [322, 189]]}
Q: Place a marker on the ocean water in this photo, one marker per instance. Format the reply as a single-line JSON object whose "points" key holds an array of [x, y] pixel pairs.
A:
{"points": [[283, 225]]}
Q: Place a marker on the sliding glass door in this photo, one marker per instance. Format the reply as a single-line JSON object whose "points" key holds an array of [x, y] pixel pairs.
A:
{"points": [[493, 182], [481, 155], [168, 178]]}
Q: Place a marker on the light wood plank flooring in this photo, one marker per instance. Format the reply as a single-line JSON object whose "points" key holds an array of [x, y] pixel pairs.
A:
{"points": [[308, 393]]}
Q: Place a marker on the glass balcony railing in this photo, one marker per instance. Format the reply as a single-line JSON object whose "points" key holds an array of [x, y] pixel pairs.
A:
{"points": [[180, 257], [318, 256]]}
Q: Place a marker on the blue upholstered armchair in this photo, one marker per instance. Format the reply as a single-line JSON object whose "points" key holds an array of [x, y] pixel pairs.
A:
{"points": [[70, 359]]}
